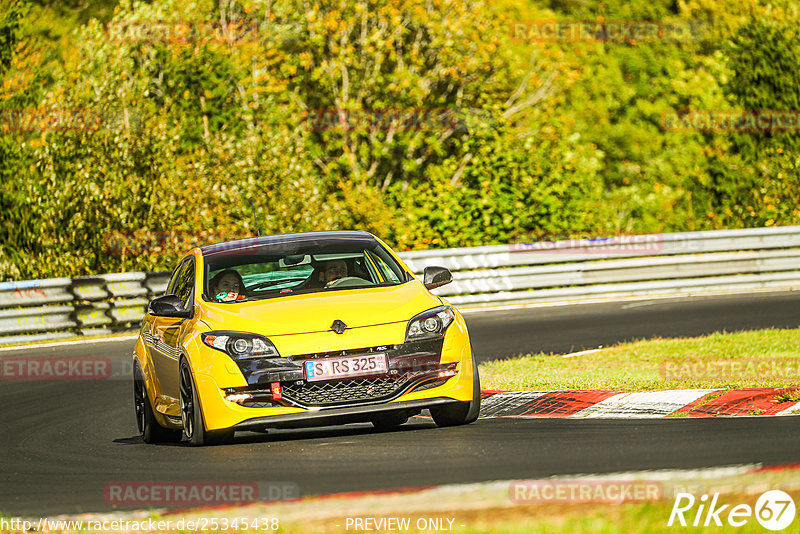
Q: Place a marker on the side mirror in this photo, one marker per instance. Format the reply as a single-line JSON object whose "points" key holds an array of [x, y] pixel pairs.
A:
{"points": [[168, 306], [436, 277]]}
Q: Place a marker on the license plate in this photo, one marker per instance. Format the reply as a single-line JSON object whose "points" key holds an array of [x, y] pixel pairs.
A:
{"points": [[332, 368]]}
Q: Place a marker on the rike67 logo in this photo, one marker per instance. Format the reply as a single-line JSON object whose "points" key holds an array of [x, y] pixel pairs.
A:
{"points": [[774, 510]]}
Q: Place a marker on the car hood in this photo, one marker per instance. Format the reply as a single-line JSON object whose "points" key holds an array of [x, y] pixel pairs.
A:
{"points": [[315, 312]]}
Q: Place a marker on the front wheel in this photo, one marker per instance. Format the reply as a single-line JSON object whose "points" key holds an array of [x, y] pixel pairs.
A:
{"points": [[194, 429], [149, 429], [464, 412]]}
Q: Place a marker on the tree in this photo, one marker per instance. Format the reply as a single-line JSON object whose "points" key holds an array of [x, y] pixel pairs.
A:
{"points": [[764, 57]]}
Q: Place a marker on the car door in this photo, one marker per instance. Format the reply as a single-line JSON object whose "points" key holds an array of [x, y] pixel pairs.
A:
{"points": [[166, 336], [153, 338]]}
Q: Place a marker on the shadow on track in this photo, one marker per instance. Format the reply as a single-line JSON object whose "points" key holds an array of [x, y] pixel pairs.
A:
{"points": [[287, 435]]}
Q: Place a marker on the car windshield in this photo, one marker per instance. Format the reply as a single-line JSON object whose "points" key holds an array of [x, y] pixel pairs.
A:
{"points": [[287, 268]]}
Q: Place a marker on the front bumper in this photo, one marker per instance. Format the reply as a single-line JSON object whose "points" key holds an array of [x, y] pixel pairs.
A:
{"points": [[412, 366], [414, 369], [339, 416]]}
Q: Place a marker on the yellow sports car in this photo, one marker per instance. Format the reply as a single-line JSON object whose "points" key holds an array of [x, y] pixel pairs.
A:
{"points": [[296, 330]]}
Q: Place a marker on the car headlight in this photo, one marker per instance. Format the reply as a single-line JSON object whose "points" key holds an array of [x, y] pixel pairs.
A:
{"points": [[430, 323], [241, 346]]}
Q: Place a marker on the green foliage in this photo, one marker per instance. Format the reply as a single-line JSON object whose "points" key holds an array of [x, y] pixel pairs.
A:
{"points": [[78, 11], [506, 190], [766, 194], [765, 59], [422, 121], [755, 181], [387, 66], [9, 32]]}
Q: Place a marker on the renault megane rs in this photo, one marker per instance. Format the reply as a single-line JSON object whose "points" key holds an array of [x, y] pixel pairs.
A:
{"points": [[298, 330]]}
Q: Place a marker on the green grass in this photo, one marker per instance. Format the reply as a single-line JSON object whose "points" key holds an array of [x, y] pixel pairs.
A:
{"points": [[765, 358], [789, 396]]}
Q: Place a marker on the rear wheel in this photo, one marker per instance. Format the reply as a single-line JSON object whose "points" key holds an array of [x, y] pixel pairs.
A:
{"points": [[194, 429], [464, 412], [149, 429]]}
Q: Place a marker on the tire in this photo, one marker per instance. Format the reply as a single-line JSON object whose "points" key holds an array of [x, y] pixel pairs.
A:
{"points": [[149, 429], [389, 420], [194, 429], [462, 413]]}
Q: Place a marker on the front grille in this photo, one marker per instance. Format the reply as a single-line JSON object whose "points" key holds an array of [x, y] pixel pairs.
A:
{"points": [[345, 391], [341, 392], [405, 358], [257, 404]]}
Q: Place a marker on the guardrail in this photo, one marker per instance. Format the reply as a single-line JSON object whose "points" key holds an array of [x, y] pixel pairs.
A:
{"points": [[613, 267], [34, 310]]}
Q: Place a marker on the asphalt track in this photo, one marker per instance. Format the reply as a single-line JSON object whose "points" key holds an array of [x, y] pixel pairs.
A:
{"points": [[63, 442], [563, 329]]}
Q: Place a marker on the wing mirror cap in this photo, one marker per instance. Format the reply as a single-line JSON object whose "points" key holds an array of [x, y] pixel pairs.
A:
{"points": [[168, 306], [435, 276]]}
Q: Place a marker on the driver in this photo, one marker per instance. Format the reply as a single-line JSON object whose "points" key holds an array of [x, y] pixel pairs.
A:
{"points": [[334, 270], [227, 285]]}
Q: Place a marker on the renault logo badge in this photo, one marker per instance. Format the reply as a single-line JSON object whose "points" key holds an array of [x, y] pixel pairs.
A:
{"points": [[338, 326]]}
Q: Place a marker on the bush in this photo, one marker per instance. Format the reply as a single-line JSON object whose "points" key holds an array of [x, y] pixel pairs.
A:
{"points": [[425, 123]]}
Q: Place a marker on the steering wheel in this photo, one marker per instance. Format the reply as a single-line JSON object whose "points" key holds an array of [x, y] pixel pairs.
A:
{"points": [[349, 281]]}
